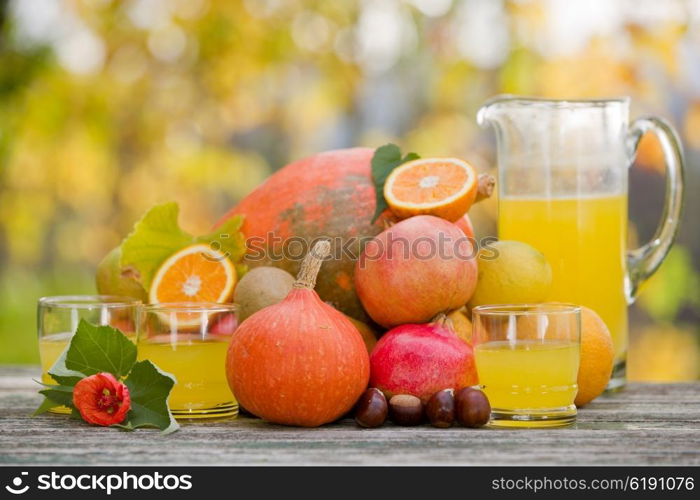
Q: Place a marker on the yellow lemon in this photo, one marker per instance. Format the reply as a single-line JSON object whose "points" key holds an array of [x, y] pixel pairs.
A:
{"points": [[511, 272]]}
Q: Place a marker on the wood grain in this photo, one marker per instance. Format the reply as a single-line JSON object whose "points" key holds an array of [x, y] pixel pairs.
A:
{"points": [[654, 424]]}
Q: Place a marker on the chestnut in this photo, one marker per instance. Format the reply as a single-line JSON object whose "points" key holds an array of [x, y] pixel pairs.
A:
{"points": [[472, 407], [440, 409], [406, 410], [371, 409]]}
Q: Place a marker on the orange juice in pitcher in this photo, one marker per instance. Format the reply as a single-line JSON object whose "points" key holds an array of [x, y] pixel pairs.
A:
{"points": [[584, 242], [562, 177]]}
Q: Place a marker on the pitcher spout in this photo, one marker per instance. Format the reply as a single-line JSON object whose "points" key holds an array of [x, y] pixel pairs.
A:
{"points": [[489, 112]]}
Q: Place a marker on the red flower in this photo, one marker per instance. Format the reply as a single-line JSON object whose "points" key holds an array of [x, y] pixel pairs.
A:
{"points": [[101, 399]]}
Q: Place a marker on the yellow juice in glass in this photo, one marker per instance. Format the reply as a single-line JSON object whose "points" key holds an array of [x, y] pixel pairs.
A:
{"points": [[50, 348], [528, 374], [199, 367], [584, 239]]}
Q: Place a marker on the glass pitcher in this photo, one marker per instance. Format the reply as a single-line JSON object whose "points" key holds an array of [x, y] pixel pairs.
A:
{"points": [[562, 168]]}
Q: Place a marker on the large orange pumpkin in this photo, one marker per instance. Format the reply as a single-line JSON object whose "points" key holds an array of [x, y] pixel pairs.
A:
{"points": [[329, 195]]}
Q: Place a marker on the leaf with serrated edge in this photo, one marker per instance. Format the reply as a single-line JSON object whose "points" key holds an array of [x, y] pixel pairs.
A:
{"points": [[94, 349], [63, 375], [55, 395], [158, 236], [154, 238], [45, 406], [385, 159], [149, 389], [227, 239], [60, 394]]}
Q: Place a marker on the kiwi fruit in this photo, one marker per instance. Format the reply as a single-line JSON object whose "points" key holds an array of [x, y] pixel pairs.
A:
{"points": [[261, 287]]}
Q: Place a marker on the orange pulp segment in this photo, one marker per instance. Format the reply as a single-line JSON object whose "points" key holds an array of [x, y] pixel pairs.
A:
{"points": [[196, 273], [444, 187]]}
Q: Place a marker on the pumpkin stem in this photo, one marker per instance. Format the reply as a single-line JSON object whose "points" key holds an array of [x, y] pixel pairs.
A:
{"points": [[485, 185], [311, 265]]}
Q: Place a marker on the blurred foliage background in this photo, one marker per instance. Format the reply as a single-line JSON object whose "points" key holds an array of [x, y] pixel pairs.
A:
{"points": [[107, 107]]}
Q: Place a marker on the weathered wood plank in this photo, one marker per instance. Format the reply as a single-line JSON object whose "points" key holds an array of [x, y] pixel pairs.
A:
{"points": [[645, 424]]}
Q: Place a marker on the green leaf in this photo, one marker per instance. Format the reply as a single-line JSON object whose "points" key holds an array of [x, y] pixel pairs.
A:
{"points": [[128, 426], [158, 235], [63, 375], [386, 158], [55, 395], [155, 237], [227, 239], [61, 394], [45, 406], [241, 270], [149, 388], [94, 349]]}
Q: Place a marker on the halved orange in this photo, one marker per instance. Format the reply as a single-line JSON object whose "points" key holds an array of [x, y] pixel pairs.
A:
{"points": [[444, 187], [196, 273]]}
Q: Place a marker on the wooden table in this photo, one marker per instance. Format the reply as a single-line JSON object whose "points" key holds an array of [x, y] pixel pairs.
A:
{"points": [[651, 424]]}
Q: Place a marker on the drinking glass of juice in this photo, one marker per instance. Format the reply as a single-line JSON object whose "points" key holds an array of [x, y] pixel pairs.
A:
{"points": [[527, 359], [58, 318], [189, 340]]}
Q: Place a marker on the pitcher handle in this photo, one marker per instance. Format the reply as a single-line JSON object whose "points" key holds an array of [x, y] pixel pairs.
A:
{"points": [[645, 260]]}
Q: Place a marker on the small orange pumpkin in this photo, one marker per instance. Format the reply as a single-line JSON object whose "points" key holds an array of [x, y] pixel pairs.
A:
{"points": [[299, 362]]}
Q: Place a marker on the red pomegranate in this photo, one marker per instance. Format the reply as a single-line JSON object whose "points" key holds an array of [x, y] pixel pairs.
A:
{"points": [[416, 269], [422, 359]]}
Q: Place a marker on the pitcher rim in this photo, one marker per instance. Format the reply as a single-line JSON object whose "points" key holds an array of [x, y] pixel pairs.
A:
{"points": [[557, 103]]}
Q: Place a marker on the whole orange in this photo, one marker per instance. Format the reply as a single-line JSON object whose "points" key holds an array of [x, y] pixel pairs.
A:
{"points": [[597, 355]]}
